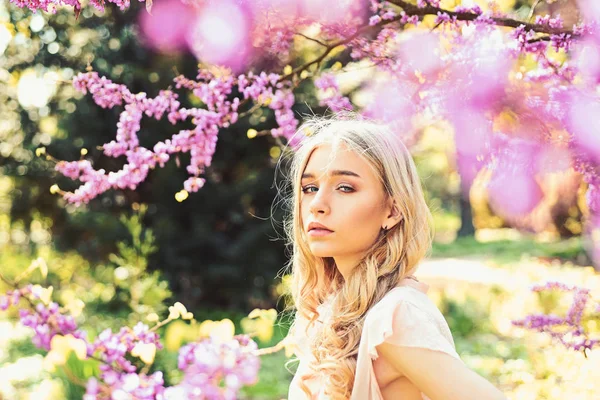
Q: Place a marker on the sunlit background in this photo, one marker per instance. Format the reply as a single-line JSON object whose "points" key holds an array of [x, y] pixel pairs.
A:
{"points": [[128, 254]]}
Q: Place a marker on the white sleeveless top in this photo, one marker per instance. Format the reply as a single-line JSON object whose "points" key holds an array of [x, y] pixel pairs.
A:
{"points": [[405, 316]]}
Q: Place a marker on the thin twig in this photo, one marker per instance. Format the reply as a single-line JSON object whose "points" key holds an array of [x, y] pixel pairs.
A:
{"points": [[341, 42], [249, 111], [6, 280], [311, 39], [532, 11], [271, 350], [160, 324], [436, 26]]}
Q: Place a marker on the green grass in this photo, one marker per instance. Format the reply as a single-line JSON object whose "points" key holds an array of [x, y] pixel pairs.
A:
{"points": [[273, 379], [508, 251]]}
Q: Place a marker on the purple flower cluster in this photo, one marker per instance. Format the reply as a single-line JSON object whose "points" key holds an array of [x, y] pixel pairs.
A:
{"points": [[122, 4], [216, 370], [555, 23], [428, 3], [114, 347], [105, 93], [221, 111], [139, 160], [525, 40], [281, 40], [475, 9], [12, 298], [563, 327], [46, 5], [46, 321], [378, 50], [580, 299], [52, 5], [552, 285], [333, 98], [444, 18], [126, 386], [277, 94]]}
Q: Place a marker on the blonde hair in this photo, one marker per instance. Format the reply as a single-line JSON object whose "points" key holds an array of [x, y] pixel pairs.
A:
{"points": [[392, 257]]}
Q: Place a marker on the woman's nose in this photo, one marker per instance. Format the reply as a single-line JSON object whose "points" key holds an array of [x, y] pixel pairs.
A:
{"points": [[320, 202]]}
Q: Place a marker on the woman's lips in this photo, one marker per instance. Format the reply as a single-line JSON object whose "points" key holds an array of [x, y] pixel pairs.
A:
{"points": [[319, 232]]}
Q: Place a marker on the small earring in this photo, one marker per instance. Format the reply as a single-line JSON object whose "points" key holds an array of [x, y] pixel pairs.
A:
{"points": [[385, 228]]}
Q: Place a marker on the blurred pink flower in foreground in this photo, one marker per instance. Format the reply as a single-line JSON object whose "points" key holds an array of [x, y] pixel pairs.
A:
{"points": [[553, 159], [590, 9], [513, 190], [413, 57], [478, 73], [220, 35], [334, 11], [168, 27], [472, 133], [393, 103], [587, 59], [583, 120], [514, 194]]}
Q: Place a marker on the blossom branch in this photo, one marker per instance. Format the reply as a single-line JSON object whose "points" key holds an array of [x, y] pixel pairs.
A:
{"points": [[329, 48], [470, 16]]}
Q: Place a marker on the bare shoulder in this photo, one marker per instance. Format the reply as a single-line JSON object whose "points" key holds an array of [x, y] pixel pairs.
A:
{"points": [[411, 335]]}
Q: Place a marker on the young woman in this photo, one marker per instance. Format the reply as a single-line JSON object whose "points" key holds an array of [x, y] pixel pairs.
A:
{"points": [[359, 225]]}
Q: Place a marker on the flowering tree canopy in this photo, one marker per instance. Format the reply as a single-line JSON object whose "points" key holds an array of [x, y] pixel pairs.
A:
{"points": [[481, 67]]}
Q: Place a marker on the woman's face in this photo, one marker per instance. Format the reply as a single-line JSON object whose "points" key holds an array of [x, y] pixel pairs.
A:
{"points": [[346, 197]]}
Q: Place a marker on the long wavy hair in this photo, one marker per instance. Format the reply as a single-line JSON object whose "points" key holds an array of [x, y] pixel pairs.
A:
{"points": [[393, 256]]}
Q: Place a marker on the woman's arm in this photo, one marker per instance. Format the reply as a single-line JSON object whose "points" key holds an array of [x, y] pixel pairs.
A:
{"points": [[439, 375]]}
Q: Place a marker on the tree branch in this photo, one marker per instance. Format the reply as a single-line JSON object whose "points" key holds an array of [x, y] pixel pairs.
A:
{"points": [[360, 31], [411, 9], [311, 39], [469, 16]]}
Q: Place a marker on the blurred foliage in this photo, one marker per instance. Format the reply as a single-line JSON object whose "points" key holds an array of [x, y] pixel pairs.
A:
{"points": [[117, 293]]}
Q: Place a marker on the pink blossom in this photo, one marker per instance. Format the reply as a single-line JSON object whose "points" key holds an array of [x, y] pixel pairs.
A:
{"points": [[220, 34], [168, 27]]}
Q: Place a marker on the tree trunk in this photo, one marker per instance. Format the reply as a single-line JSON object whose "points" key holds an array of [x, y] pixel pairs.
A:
{"points": [[466, 217]]}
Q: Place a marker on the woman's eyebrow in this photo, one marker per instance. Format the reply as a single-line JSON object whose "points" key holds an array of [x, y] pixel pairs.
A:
{"points": [[333, 173]]}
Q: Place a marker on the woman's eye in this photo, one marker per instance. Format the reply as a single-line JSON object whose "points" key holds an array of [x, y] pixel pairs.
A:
{"points": [[343, 188]]}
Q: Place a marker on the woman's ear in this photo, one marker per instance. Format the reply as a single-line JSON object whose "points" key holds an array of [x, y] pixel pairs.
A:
{"points": [[394, 216]]}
